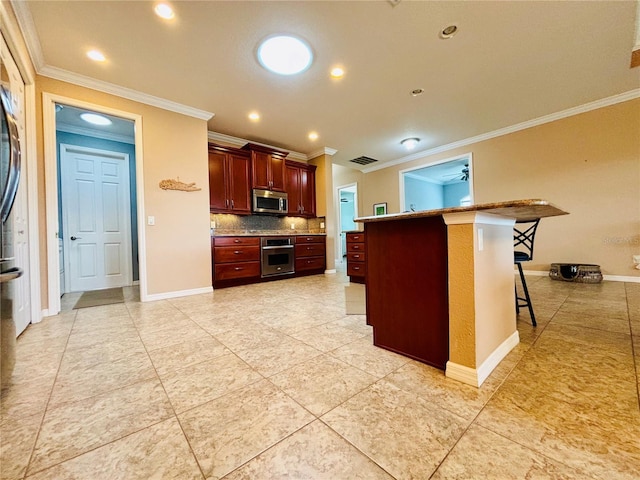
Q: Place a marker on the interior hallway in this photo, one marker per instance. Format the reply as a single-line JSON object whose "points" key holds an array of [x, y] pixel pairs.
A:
{"points": [[273, 381]]}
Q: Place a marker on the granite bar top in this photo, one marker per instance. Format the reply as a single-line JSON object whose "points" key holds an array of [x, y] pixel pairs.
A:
{"points": [[263, 233], [518, 209]]}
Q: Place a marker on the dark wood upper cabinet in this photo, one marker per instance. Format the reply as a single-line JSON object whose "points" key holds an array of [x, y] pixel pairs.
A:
{"points": [[301, 189], [229, 180], [267, 167]]}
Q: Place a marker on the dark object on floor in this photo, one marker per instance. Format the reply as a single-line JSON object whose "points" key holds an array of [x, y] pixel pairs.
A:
{"points": [[96, 298], [524, 233], [576, 272]]}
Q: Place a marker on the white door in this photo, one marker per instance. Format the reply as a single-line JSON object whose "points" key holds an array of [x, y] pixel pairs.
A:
{"points": [[96, 216], [19, 218]]}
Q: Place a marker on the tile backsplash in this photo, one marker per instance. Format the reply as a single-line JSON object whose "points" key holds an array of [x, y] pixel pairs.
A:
{"points": [[229, 224]]}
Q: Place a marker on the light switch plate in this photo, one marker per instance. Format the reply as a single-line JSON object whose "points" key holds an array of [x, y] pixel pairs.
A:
{"points": [[151, 220]]}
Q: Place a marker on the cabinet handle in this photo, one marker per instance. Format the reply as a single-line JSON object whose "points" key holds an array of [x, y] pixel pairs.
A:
{"points": [[237, 252], [226, 203], [356, 247], [237, 269], [236, 241], [232, 204], [309, 239], [356, 256], [356, 268]]}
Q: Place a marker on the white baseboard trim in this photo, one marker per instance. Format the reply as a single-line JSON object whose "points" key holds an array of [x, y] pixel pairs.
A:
{"points": [[476, 376], [333, 270], [180, 293], [45, 313], [610, 278], [136, 283]]}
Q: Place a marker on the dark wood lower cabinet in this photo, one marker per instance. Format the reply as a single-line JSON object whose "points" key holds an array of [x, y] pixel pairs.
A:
{"points": [[407, 288]]}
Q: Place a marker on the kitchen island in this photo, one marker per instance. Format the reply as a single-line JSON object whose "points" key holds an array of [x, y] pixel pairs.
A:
{"points": [[440, 284]]}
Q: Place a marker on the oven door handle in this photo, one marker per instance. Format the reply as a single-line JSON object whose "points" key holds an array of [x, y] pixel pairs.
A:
{"points": [[277, 247]]}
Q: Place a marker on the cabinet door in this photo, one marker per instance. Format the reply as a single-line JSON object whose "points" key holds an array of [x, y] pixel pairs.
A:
{"points": [[217, 182], [293, 190], [277, 170], [260, 170], [308, 191], [239, 185]]}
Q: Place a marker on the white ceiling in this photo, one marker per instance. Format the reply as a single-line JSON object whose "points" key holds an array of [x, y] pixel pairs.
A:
{"points": [[510, 62]]}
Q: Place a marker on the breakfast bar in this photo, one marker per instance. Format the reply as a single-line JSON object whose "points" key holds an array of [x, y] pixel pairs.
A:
{"points": [[440, 284]]}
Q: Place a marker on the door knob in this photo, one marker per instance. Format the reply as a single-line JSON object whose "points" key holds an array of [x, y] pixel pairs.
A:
{"points": [[76, 238]]}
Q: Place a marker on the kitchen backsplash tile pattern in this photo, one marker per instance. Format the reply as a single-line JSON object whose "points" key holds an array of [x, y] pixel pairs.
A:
{"points": [[229, 224]]}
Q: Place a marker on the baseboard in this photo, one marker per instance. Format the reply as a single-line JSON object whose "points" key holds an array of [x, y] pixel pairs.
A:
{"points": [[332, 270], [45, 313], [610, 278], [476, 376], [180, 293], [136, 283]]}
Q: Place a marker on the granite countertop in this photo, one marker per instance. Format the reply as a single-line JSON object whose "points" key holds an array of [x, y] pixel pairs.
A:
{"points": [[263, 233], [518, 209]]}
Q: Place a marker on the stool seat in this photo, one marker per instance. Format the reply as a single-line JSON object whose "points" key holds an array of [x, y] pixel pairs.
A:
{"points": [[521, 257]]}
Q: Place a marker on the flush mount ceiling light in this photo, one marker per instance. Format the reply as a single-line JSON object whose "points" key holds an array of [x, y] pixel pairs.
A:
{"points": [[285, 54], [96, 55], [254, 116], [95, 119], [448, 32], [164, 11], [410, 143]]}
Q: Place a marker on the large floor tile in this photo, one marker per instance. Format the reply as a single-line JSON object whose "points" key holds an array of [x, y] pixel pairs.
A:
{"points": [[17, 439], [186, 353], [374, 360], [160, 451], [403, 433], [74, 428], [205, 381], [229, 431], [315, 452], [322, 383], [327, 337], [273, 358]]}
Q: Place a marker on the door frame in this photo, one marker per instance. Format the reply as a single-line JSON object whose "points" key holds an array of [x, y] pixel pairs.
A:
{"points": [[339, 253], [65, 149], [49, 101]]}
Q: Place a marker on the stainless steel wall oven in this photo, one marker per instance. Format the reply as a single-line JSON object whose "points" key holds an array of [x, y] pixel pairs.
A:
{"points": [[276, 256]]}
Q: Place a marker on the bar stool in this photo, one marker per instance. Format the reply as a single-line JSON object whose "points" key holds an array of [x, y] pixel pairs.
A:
{"points": [[524, 232]]}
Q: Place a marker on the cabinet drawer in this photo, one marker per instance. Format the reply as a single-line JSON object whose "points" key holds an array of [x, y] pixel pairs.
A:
{"points": [[355, 237], [226, 241], [355, 257], [241, 253], [355, 247], [356, 269], [229, 271], [310, 250], [309, 263], [310, 239]]}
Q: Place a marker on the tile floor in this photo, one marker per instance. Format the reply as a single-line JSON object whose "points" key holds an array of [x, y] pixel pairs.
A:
{"points": [[275, 381]]}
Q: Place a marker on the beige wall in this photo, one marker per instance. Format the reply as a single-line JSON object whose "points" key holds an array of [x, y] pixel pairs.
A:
{"points": [[178, 251], [324, 203], [587, 164]]}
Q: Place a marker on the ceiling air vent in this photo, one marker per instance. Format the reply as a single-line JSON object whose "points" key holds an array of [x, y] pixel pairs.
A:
{"points": [[363, 160]]}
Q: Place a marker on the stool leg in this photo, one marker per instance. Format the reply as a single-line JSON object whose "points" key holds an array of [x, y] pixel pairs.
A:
{"points": [[517, 303], [526, 295]]}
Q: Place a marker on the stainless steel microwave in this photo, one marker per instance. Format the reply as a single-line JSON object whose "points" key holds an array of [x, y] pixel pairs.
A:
{"points": [[266, 201]]}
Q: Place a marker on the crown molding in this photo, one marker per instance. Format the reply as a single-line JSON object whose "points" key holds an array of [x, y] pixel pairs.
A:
{"points": [[12, 21], [232, 141], [90, 132], [587, 107], [322, 151], [110, 88]]}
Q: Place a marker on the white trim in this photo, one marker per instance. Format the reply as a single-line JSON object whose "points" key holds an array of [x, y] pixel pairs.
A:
{"points": [[21, 51], [94, 133], [323, 151], [476, 376], [180, 293], [51, 188], [330, 271], [44, 313], [610, 278], [464, 218], [587, 107], [338, 211]]}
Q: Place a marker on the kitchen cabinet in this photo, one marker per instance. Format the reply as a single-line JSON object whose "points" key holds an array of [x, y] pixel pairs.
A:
{"points": [[310, 254], [356, 257], [236, 260], [301, 189], [229, 181], [267, 167]]}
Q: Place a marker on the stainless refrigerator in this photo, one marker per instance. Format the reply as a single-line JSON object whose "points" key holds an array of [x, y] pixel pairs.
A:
{"points": [[9, 271]]}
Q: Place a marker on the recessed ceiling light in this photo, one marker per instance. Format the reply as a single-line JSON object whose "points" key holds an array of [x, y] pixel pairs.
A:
{"points": [[285, 54], [337, 72], [96, 55], [95, 119], [417, 91], [410, 143], [448, 32], [254, 116], [313, 136], [164, 11]]}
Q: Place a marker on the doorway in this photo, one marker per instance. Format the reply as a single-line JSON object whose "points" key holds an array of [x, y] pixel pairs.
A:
{"points": [[442, 184], [347, 211], [121, 257]]}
